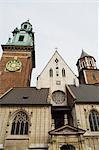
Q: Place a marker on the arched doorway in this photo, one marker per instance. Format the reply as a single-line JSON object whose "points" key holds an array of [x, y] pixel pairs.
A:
{"points": [[67, 147]]}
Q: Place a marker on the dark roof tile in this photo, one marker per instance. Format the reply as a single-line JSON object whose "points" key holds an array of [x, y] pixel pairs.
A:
{"points": [[86, 93], [25, 96]]}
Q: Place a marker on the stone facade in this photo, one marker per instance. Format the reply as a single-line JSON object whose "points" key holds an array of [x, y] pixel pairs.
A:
{"points": [[91, 139], [39, 126], [80, 112], [60, 114]]}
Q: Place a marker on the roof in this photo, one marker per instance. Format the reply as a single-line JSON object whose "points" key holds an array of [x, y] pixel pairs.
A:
{"points": [[84, 54], [56, 53], [25, 96], [85, 93]]}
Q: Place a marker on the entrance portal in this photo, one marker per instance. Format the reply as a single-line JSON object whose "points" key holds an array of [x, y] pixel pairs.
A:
{"points": [[67, 147]]}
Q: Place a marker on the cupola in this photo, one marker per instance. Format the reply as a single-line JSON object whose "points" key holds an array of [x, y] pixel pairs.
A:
{"points": [[23, 36]]}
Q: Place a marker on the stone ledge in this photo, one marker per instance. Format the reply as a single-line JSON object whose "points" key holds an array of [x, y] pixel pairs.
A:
{"points": [[38, 145], [17, 137], [93, 134]]}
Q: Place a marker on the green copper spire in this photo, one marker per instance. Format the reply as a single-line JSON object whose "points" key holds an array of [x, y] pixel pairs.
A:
{"points": [[22, 36]]}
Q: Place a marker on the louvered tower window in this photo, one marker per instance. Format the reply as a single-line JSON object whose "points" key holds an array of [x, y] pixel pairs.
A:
{"points": [[20, 124]]}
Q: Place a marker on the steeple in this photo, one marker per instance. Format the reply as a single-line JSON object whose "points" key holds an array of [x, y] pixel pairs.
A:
{"points": [[86, 61], [84, 54], [23, 36], [88, 72], [22, 40], [18, 58]]}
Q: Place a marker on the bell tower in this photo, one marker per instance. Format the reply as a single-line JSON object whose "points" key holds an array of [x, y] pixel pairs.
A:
{"points": [[88, 72], [18, 58]]}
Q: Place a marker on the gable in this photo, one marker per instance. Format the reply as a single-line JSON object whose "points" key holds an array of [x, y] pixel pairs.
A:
{"points": [[67, 130], [55, 56], [57, 64]]}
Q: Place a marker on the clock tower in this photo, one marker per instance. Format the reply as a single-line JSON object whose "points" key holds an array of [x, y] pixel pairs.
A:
{"points": [[18, 59]]}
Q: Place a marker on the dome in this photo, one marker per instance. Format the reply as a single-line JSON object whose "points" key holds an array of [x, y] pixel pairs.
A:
{"points": [[26, 26]]}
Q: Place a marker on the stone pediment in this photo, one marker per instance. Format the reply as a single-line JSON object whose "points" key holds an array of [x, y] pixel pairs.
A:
{"points": [[67, 130]]}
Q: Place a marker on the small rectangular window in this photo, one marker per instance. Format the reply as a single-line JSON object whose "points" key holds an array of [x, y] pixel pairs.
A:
{"points": [[58, 82], [21, 38], [94, 76]]}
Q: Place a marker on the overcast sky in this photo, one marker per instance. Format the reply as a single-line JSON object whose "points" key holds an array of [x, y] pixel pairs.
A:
{"points": [[69, 25]]}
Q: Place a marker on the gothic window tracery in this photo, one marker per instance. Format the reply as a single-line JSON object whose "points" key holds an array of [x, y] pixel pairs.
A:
{"points": [[20, 124], [94, 120]]}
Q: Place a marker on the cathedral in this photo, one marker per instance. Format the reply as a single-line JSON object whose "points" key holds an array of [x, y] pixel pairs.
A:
{"points": [[60, 113]]}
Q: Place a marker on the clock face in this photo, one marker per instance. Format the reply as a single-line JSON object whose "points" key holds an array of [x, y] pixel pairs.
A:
{"points": [[58, 97], [13, 65]]}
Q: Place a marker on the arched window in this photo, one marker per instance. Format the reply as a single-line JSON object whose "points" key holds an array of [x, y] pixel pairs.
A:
{"points": [[20, 124], [94, 120], [51, 72], [90, 62], [83, 63], [63, 72], [67, 147]]}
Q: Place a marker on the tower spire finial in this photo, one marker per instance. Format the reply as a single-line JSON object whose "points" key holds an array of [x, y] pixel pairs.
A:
{"points": [[56, 48], [28, 19]]}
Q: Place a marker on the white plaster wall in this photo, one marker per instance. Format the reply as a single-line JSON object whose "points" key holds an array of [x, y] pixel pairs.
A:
{"points": [[45, 81]]}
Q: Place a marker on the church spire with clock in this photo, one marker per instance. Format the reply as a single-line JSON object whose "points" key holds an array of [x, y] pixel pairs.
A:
{"points": [[18, 59]]}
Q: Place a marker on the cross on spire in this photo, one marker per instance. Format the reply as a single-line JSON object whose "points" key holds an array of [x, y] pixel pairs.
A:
{"points": [[56, 49]]}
